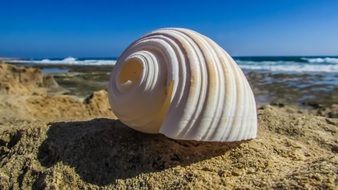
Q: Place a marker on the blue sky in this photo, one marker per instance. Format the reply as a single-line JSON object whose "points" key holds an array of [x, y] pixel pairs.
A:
{"points": [[61, 28]]}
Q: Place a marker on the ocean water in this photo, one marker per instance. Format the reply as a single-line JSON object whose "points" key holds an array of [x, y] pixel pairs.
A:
{"points": [[67, 61], [292, 64], [284, 64]]}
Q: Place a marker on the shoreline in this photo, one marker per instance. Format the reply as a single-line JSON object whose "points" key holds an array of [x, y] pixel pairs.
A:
{"points": [[305, 90]]}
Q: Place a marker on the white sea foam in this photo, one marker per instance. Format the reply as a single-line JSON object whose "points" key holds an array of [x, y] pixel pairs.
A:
{"points": [[312, 65], [321, 60], [289, 66], [294, 68], [67, 61]]}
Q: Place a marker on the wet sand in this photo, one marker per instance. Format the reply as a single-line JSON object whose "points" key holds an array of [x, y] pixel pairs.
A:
{"points": [[59, 136]]}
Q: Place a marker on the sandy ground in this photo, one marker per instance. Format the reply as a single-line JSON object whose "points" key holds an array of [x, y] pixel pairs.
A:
{"points": [[49, 140]]}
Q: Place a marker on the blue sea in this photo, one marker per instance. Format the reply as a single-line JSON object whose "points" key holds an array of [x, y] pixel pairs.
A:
{"points": [[300, 64]]}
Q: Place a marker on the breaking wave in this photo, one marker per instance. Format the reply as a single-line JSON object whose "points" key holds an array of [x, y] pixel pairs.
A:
{"points": [[68, 61]]}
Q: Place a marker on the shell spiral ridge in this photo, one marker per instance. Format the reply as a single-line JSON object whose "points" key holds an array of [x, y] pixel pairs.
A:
{"points": [[182, 84]]}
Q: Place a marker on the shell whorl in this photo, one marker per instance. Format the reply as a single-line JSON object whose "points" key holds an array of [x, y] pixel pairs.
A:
{"points": [[180, 83]]}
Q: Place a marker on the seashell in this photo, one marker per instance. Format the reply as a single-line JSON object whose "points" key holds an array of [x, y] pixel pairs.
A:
{"points": [[180, 83]]}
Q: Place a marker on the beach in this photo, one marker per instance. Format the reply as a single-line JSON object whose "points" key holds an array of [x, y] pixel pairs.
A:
{"points": [[57, 131]]}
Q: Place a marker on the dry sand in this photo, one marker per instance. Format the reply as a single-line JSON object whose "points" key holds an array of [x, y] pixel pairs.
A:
{"points": [[54, 141]]}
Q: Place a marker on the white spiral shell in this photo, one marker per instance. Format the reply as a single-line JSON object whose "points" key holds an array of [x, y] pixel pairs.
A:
{"points": [[180, 83]]}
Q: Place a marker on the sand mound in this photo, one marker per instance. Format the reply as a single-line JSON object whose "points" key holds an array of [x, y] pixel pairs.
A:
{"points": [[26, 93], [293, 150], [24, 80], [69, 107], [60, 107]]}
